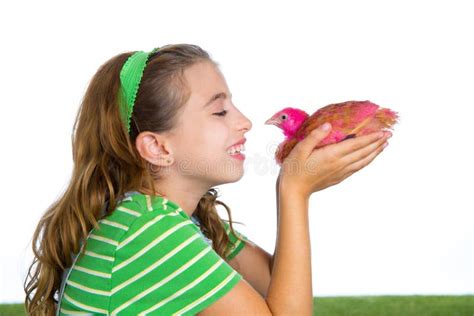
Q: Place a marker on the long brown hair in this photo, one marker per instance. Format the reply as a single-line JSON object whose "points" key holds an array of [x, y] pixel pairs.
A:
{"points": [[107, 164]]}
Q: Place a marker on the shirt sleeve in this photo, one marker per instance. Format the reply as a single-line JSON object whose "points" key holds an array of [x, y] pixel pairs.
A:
{"points": [[238, 244], [163, 266]]}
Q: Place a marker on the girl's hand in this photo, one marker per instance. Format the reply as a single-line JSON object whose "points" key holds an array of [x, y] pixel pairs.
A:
{"points": [[306, 170]]}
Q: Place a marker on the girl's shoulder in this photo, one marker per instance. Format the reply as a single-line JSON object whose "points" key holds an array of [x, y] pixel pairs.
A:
{"points": [[140, 204], [135, 212]]}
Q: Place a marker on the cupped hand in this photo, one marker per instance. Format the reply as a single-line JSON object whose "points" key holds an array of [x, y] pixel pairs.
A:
{"points": [[307, 170]]}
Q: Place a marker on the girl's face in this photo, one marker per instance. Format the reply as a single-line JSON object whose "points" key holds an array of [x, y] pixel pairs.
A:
{"points": [[208, 125]]}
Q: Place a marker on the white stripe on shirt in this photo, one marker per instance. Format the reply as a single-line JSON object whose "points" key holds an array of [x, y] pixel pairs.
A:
{"points": [[114, 224], [106, 240], [92, 272], [84, 306], [96, 255], [87, 289], [128, 211]]}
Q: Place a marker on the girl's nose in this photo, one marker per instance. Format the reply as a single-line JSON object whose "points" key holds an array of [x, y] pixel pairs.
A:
{"points": [[245, 123]]}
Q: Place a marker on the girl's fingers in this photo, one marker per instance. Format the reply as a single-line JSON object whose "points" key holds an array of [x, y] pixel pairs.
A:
{"points": [[359, 164], [363, 152], [354, 144]]}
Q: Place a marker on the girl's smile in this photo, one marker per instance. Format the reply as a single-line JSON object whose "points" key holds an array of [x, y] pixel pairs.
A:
{"points": [[237, 149]]}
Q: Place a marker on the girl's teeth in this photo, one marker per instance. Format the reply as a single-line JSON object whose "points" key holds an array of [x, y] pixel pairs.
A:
{"points": [[236, 149]]}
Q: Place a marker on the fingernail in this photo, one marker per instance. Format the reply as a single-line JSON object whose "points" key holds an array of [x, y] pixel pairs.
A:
{"points": [[326, 126], [389, 135], [385, 145]]}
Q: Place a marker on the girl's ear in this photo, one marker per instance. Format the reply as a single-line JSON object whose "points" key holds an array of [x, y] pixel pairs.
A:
{"points": [[154, 148]]}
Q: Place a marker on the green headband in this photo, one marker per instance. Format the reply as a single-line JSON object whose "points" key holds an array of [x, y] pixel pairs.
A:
{"points": [[130, 77]]}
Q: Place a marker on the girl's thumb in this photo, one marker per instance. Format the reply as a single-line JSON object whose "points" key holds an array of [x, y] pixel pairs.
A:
{"points": [[314, 138]]}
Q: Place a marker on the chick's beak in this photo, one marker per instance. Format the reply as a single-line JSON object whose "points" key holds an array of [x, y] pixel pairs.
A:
{"points": [[271, 121]]}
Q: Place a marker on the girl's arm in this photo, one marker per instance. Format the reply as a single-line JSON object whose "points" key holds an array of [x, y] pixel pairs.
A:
{"points": [[290, 291], [255, 265]]}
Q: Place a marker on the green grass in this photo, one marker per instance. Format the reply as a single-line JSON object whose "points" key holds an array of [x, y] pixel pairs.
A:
{"points": [[366, 306], [395, 306], [12, 309]]}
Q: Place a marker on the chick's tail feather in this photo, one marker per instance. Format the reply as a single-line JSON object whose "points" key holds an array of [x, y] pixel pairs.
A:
{"points": [[386, 117], [383, 119]]}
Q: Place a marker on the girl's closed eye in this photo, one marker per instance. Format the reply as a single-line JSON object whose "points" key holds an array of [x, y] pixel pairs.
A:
{"points": [[221, 113]]}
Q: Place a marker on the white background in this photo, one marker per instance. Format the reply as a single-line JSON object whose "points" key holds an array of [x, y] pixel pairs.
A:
{"points": [[402, 225]]}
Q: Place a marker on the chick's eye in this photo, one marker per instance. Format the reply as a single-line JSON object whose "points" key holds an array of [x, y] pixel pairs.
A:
{"points": [[221, 113], [284, 117]]}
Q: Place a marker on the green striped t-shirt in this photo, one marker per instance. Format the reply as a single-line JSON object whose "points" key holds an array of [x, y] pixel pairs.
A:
{"points": [[148, 258]]}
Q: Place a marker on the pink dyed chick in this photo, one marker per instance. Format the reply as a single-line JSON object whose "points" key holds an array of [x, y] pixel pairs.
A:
{"points": [[348, 119]]}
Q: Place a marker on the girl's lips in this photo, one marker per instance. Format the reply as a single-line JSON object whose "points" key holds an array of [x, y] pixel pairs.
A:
{"points": [[239, 156], [242, 141]]}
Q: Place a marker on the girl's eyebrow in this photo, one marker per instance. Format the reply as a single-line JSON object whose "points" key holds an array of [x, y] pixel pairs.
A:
{"points": [[220, 95]]}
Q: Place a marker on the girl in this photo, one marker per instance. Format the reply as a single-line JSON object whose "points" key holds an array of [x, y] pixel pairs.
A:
{"points": [[137, 231]]}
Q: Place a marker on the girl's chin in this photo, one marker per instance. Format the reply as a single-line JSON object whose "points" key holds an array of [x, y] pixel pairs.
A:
{"points": [[232, 174]]}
